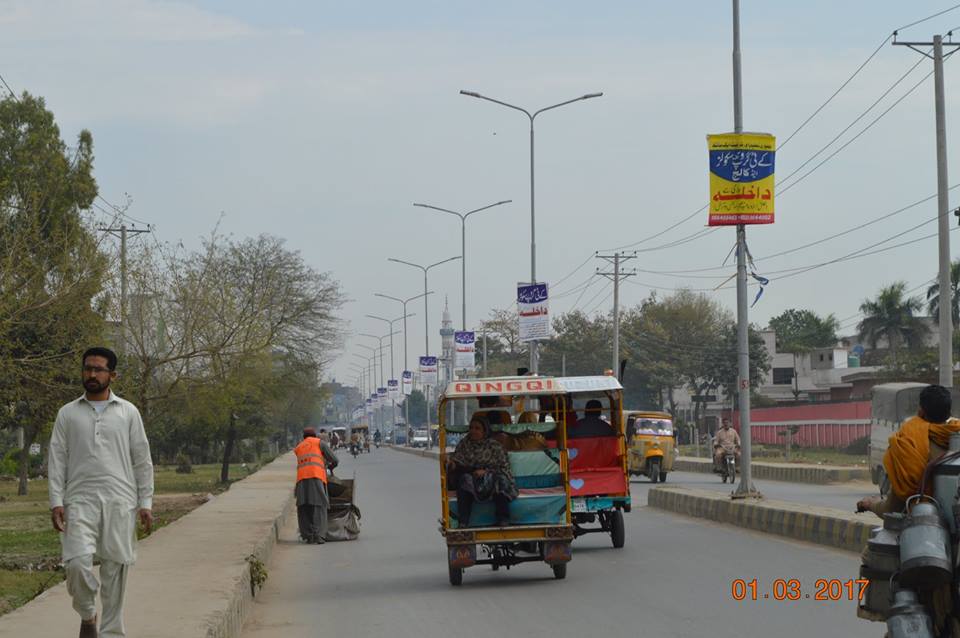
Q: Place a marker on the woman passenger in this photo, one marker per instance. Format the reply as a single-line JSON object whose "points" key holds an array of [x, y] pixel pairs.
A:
{"points": [[480, 470]]}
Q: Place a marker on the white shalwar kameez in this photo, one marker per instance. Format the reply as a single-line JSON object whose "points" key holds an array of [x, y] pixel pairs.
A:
{"points": [[101, 473]]}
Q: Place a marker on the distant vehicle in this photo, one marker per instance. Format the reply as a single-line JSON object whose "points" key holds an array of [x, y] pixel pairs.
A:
{"points": [[420, 438], [890, 405]]}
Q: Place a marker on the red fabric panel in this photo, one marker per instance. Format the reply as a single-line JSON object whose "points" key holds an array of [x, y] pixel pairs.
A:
{"points": [[594, 452], [599, 482]]}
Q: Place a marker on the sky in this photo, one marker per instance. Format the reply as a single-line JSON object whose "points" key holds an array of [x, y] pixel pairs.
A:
{"points": [[323, 122]]}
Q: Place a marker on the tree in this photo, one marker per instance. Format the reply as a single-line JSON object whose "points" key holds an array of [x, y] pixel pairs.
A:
{"points": [[933, 295], [892, 316], [418, 409], [799, 332], [505, 351], [581, 343], [51, 267]]}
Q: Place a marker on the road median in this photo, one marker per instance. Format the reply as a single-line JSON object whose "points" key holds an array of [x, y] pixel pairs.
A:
{"points": [[788, 472], [192, 578], [820, 525]]}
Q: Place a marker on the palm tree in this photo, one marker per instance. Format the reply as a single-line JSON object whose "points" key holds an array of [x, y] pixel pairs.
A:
{"points": [[892, 315], [933, 294]]}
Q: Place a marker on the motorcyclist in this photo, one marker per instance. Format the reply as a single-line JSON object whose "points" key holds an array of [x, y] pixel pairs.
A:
{"points": [[376, 438], [727, 441]]}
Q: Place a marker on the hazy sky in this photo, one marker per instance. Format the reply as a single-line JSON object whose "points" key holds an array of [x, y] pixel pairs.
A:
{"points": [[322, 122]]}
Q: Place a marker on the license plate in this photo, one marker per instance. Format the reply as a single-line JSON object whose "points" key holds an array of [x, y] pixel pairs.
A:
{"points": [[578, 505]]}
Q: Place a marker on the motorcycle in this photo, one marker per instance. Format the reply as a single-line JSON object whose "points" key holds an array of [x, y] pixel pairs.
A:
{"points": [[354, 450], [728, 467]]}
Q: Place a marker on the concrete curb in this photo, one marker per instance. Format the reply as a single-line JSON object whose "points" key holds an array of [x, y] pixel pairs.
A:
{"points": [[820, 525], [430, 454], [790, 472], [191, 578]]}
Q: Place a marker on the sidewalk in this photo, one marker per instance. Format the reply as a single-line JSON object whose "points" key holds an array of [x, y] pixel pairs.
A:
{"points": [[191, 578], [792, 472]]}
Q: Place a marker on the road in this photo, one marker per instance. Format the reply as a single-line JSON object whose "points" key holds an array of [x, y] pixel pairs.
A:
{"points": [[673, 578], [841, 496]]}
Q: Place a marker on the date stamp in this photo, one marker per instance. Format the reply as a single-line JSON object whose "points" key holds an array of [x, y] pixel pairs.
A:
{"points": [[791, 589]]}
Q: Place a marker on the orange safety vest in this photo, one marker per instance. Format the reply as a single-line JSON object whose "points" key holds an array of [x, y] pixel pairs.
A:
{"points": [[310, 463]]}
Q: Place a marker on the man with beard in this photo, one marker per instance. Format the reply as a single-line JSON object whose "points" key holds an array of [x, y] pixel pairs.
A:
{"points": [[101, 481]]}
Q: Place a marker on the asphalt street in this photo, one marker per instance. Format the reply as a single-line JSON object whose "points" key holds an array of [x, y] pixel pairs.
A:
{"points": [[841, 496], [673, 578]]}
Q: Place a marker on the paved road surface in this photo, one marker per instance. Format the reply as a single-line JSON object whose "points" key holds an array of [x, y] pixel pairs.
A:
{"points": [[842, 496], [671, 580]]}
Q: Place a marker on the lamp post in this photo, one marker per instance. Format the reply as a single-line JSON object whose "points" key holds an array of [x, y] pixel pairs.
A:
{"points": [[534, 361], [371, 364], [380, 348], [463, 250], [393, 373], [426, 317], [406, 362]]}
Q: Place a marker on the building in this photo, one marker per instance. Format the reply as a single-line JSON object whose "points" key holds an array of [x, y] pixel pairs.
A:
{"points": [[447, 345]]}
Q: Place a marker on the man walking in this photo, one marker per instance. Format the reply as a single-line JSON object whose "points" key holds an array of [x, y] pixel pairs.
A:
{"points": [[314, 457], [100, 482]]}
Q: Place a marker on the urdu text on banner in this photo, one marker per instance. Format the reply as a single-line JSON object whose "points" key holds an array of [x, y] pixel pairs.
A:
{"points": [[533, 310], [393, 389], [428, 370], [465, 344], [741, 178]]}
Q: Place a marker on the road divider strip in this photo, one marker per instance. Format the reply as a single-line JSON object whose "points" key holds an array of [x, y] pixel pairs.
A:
{"points": [[820, 525], [789, 472]]}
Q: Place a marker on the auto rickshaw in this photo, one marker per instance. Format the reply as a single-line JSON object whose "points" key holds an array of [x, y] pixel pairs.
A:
{"points": [[596, 448], [540, 527], [651, 438]]}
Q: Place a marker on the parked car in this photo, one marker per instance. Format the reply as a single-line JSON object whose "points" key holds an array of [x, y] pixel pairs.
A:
{"points": [[420, 438]]}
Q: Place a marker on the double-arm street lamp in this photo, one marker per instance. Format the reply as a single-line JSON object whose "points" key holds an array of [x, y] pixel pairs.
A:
{"points": [[404, 302], [426, 307], [426, 321], [534, 363], [463, 249], [393, 377]]}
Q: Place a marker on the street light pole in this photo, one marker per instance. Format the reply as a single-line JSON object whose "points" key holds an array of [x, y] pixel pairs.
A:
{"points": [[406, 361], [534, 360], [463, 249], [426, 317], [393, 373]]}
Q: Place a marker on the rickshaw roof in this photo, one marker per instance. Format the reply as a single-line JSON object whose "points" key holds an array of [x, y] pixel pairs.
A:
{"points": [[530, 386], [650, 413]]}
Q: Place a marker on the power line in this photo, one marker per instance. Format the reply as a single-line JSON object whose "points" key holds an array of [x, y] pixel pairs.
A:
{"points": [[851, 124], [930, 17], [835, 93], [857, 136]]}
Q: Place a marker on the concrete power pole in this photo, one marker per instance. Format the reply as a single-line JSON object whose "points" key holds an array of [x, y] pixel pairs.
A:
{"points": [[746, 488], [945, 319], [616, 276], [122, 233]]}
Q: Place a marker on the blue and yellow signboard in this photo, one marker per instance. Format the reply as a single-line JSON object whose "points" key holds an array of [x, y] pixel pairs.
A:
{"points": [[741, 178]]}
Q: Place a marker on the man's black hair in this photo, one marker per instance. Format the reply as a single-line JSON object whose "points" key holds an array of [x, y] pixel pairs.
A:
{"points": [[594, 405], [936, 403], [100, 351]]}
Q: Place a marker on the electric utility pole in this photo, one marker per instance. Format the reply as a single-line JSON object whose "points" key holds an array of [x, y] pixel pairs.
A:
{"points": [[617, 259], [746, 488], [945, 319], [122, 233]]}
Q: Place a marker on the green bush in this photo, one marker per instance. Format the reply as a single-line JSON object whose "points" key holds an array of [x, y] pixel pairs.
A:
{"points": [[184, 466], [10, 464]]}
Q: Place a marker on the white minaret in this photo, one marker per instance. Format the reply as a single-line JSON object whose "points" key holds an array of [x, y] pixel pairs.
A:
{"points": [[446, 340]]}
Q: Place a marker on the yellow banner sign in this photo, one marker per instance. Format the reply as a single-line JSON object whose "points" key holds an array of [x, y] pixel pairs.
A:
{"points": [[741, 178]]}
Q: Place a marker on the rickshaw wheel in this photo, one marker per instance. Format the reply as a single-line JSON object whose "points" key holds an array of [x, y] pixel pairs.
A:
{"points": [[654, 470], [663, 477], [617, 532], [456, 576], [559, 571]]}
